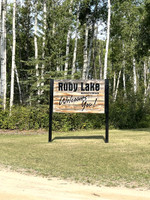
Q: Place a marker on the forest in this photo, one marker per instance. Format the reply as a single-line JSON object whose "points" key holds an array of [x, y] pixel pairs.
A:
{"points": [[74, 39]]}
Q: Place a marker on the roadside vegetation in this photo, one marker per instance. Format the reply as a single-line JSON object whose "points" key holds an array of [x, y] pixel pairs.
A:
{"points": [[81, 156]]}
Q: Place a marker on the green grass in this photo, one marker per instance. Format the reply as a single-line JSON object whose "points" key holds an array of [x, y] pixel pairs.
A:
{"points": [[82, 156]]}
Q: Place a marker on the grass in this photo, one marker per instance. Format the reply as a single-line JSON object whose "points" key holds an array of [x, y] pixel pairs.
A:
{"points": [[82, 156]]}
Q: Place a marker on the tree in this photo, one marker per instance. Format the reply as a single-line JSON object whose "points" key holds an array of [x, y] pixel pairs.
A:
{"points": [[107, 42], [43, 44], [76, 42], [68, 42], [85, 50], [3, 55], [0, 42], [36, 47], [13, 56]]}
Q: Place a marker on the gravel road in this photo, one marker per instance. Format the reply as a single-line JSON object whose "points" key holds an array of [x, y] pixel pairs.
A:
{"points": [[17, 186]]}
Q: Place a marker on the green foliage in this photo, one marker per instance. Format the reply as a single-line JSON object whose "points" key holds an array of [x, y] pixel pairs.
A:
{"points": [[25, 118], [130, 113], [124, 114]]}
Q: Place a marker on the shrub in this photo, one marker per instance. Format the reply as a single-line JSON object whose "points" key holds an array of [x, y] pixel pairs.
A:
{"points": [[25, 118]]}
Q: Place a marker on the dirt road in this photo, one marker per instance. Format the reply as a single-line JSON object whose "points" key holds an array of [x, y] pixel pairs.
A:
{"points": [[16, 186]]}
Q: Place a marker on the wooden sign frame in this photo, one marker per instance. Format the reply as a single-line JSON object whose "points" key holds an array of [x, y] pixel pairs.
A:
{"points": [[96, 91]]}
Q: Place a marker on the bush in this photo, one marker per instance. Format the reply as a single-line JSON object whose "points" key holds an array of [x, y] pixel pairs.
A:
{"points": [[25, 118], [124, 114], [130, 113]]}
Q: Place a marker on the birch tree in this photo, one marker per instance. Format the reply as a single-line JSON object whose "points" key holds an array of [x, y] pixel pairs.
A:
{"points": [[68, 43], [107, 40], [3, 55], [90, 51], [145, 79], [117, 86], [134, 76], [124, 80], [18, 82], [36, 48], [0, 41], [75, 45], [100, 67], [114, 84], [85, 50], [44, 39], [124, 72], [13, 56]]}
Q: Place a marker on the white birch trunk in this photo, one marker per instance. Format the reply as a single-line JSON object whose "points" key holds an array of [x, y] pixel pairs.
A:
{"points": [[145, 79], [124, 80], [75, 45], [95, 50], [117, 86], [0, 18], [18, 82], [114, 84], [58, 66], [107, 42], [13, 57], [3, 56], [148, 71], [90, 51], [53, 30], [124, 74], [43, 53], [0, 43], [100, 68], [134, 76], [85, 57], [36, 50], [68, 44]]}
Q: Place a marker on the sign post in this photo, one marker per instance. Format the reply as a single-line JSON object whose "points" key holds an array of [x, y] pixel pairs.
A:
{"points": [[51, 109], [107, 110], [79, 96]]}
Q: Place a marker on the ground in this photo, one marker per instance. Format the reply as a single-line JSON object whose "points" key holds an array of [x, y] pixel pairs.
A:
{"points": [[19, 186]]}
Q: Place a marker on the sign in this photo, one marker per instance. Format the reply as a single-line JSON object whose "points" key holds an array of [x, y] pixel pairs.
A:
{"points": [[79, 96]]}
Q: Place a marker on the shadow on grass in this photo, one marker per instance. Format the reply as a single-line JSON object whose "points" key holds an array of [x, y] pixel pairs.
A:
{"points": [[79, 137]]}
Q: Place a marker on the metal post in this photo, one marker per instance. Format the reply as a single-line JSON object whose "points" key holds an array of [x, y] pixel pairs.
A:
{"points": [[107, 110], [51, 109]]}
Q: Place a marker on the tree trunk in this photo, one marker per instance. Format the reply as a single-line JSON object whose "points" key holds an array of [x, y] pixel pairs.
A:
{"points": [[145, 79], [107, 42], [3, 56], [17, 77], [75, 45], [117, 86], [100, 68], [90, 51], [114, 84], [13, 57], [43, 53], [148, 71], [95, 52], [134, 76], [68, 44], [36, 49], [124, 80], [124, 74], [0, 43], [85, 57]]}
